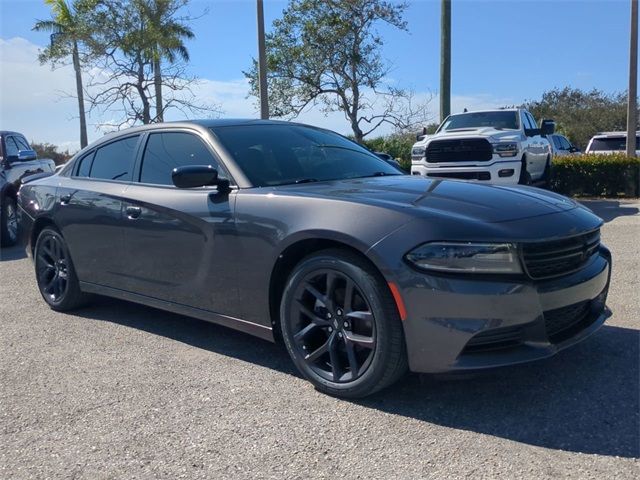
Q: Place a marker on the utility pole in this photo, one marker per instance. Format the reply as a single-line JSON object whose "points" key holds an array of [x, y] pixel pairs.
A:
{"points": [[632, 102], [262, 65], [445, 59]]}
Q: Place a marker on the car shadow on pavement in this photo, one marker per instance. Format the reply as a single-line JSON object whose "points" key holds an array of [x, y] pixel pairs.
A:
{"points": [[609, 210], [586, 399], [12, 253]]}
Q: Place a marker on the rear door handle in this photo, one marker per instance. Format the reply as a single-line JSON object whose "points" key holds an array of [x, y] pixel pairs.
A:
{"points": [[133, 212]]}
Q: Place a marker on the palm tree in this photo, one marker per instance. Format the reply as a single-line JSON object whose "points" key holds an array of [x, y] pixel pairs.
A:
{"points": [[165, 36], [67, 31]]}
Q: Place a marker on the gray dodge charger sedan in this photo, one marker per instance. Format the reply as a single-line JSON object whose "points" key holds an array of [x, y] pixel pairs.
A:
{"points": [[290, 232]]}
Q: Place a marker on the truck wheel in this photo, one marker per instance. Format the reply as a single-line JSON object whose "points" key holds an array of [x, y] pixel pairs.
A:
{"points": [[546, 176], [525, 176], [8, 221]]}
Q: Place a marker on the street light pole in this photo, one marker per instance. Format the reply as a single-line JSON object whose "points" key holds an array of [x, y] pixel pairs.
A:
{"points": [[262, 64], [445, 59], [632, 102]]}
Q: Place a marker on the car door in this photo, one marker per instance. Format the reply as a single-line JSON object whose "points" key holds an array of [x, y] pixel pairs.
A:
{"points": [[539, 150], [179, 242], [89, 213]]}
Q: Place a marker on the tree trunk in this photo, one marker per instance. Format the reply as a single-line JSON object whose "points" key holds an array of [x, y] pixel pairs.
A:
{"points": [[80, 94], [157, 80], [146, 107]]}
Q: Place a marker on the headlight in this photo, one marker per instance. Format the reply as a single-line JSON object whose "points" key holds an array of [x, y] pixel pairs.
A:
{"points": [[466, 257], [418, 151], [506, 149]]}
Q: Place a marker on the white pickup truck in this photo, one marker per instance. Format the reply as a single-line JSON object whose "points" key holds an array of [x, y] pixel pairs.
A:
{"points": [[502, 146]]}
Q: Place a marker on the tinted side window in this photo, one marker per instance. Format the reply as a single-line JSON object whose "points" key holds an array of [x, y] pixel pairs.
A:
{"points": [[565, 143], [166, 151], [557, 142], [85, 165], [12, 147], [534, 125], [525, 121], [115, 160], [22, 143]]}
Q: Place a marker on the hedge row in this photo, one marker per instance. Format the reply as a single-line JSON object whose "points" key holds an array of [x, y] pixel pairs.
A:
{"points": [[613, 175]]}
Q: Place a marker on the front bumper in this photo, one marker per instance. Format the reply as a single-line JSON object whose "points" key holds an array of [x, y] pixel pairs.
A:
{"points": [[465, 323], [481, 172]]}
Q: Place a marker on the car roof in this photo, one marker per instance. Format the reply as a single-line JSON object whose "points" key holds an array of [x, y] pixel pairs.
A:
{"points": [[612, 134], [204, 123], [9, 132]]}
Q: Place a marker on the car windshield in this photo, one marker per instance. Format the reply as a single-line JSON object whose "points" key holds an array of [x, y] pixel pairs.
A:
{"points": [[611, 144], [507, 120], [280, 154]]}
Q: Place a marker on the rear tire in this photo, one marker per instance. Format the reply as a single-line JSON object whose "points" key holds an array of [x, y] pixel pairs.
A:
{"points": [[55, 274], [341, 325], [8, 221]]}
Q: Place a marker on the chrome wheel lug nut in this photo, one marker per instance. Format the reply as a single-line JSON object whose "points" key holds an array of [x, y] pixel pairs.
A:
{"points": [[328, 315], [346, 324], [339, 312], [330, 329]]}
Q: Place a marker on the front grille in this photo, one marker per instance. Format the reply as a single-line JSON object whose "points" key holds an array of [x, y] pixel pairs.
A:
{"points": [[494, 339], [559, 257], [562, 322], [463, 175], [462, 150]]}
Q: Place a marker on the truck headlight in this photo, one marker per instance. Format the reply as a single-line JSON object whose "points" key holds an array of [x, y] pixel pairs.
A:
{"points": [[466, 257], [418, 151], [506, 149]]}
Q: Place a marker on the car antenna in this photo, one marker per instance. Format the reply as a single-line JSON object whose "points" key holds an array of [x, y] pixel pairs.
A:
{"points": [[465, 111]]}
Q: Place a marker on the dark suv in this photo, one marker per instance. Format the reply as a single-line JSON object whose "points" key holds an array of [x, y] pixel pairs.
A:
{"points": [[17, 160]]}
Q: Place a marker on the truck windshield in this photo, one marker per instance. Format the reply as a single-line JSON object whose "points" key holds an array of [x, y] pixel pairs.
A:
{"points": [[507, 120]]}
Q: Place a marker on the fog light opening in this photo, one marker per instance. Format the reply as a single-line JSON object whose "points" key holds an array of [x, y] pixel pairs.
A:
{"points": [[506, 172]]}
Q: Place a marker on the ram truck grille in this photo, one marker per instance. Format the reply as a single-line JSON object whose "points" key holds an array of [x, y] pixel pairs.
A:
{"points": [[460, 150]]}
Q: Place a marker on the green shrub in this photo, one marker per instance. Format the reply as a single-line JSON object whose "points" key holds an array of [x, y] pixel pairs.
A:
{"points": [[596, 175], [397, 145]]}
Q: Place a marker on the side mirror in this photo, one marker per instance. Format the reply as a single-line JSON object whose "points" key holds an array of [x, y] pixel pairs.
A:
{"points": [[547, 127], [191, 176], [421, 134], [24, 155]]}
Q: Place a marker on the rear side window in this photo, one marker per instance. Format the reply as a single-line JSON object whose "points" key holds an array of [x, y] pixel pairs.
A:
{"points": [[85, 165], [611, 144], [115, 160], [166, 151]]}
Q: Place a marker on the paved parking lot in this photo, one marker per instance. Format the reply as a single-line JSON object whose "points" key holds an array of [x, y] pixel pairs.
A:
{"points": [[124, 391]]}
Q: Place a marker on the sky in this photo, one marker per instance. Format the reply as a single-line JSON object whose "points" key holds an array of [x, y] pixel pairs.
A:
{"points": [[503, 53]]}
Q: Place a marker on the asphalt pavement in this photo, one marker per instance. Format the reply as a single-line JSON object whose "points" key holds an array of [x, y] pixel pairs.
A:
{"points": [[118, 390]]}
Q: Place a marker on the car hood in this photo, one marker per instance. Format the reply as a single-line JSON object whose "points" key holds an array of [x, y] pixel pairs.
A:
{"points": [[419, 196], [490, 133]]}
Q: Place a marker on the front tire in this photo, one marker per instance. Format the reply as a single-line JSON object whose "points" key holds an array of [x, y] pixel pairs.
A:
{"points": [[525, 176], [341, 326], [56, 276], [8, 221]]}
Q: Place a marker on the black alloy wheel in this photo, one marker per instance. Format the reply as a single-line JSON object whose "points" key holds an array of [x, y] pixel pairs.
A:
{"points": [[341, 325], [55, 274], [9, 222]]}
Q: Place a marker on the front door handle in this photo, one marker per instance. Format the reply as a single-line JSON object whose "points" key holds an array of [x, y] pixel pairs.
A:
{"points": [[65, 199], [133, 212]]}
